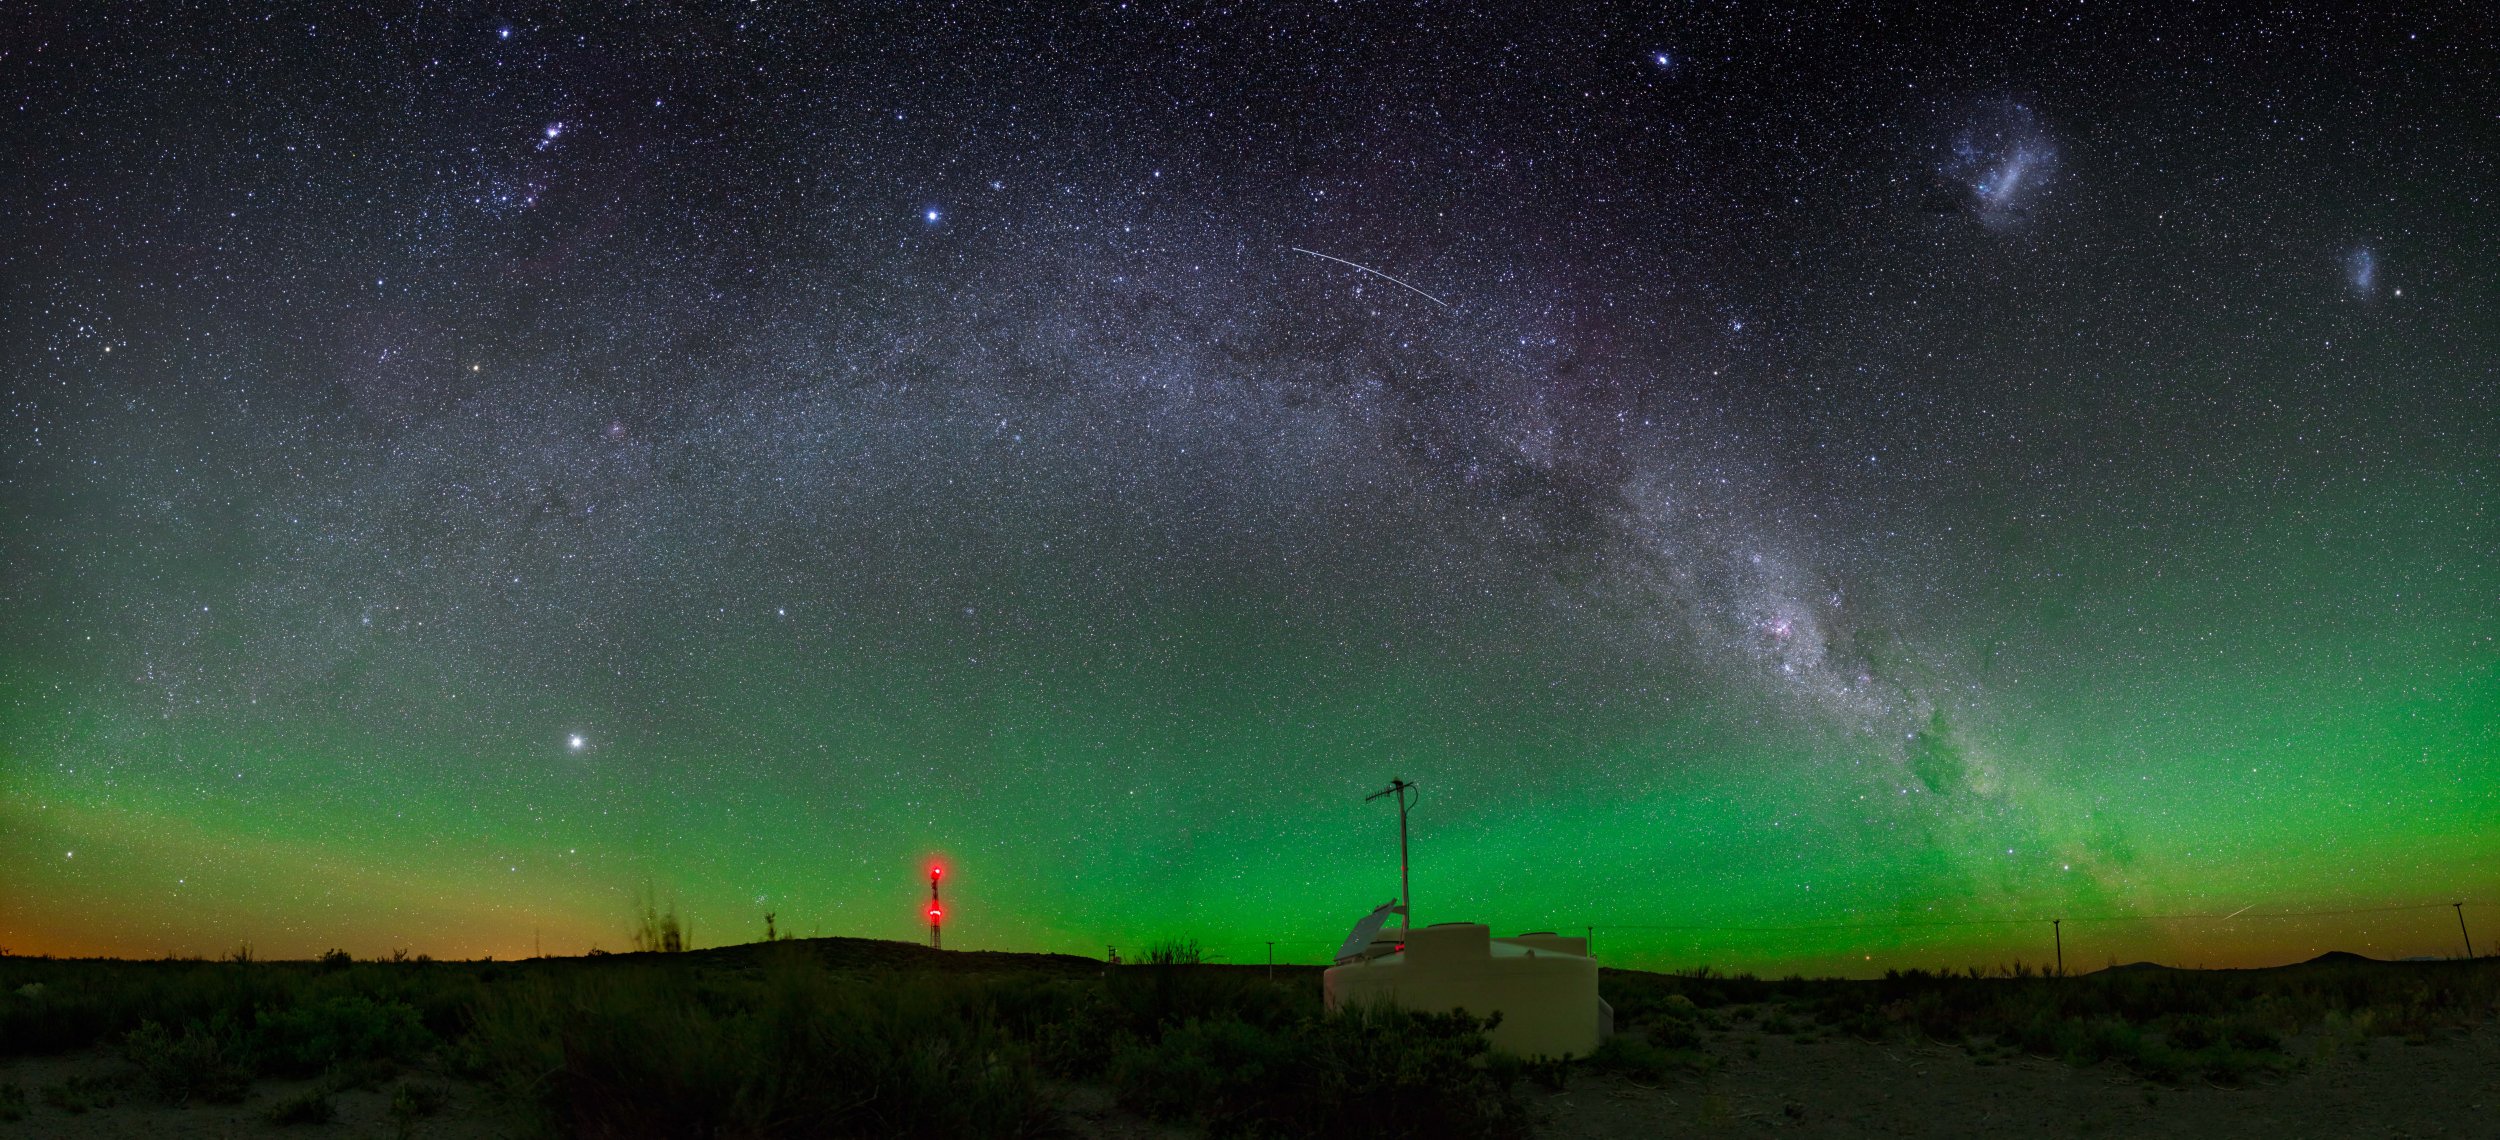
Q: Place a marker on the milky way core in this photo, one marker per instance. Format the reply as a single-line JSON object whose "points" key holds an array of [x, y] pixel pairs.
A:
{"points": [[467, 472]]}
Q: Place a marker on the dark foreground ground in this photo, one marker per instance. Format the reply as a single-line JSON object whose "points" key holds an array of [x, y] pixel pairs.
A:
{"points": [[842, 1037], [1833, 1087]]}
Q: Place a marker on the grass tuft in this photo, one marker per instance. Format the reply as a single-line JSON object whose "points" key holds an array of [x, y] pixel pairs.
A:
{"points": [[414, 1101], [312, 1106], [77, 1095]]}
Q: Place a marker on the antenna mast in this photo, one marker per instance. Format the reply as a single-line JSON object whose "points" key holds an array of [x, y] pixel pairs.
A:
{"points": [[1406, 901], [935, 911]]}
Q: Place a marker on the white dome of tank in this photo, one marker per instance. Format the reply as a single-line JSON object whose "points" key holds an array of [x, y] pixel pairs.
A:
{"points": [[1544, 985]]}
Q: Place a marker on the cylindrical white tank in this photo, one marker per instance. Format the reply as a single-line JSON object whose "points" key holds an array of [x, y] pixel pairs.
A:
{"points": [[1543, 985]]}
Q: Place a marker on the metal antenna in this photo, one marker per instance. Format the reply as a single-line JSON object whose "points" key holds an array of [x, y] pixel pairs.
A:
{"points": [[2469, 935], [1406, 900], [935, 911]]}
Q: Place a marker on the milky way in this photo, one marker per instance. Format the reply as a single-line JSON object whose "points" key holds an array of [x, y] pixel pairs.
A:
{"points": [[468, 470]]}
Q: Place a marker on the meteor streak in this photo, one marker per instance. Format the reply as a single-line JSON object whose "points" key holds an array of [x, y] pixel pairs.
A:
{"points": [[1376, 273]]}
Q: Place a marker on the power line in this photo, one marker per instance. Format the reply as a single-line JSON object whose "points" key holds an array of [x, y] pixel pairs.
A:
{"points": [[2110, 918], [2262, 914], [2053, 921]]}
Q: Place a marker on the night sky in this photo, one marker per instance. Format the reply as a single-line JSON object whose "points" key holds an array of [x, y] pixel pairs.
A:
{"points": [[465, 469]]}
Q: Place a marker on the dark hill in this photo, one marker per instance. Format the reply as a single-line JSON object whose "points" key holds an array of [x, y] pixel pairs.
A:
{"points": [[2136, 967], [881, 954]]}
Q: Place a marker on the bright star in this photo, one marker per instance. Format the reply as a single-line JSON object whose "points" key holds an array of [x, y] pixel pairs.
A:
{"points": [[503, 33], [577, 742], [931, 215], [1662, 59]]}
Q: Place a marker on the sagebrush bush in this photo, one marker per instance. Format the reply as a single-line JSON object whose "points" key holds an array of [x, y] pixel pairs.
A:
{"points": [[1648, 1059], [770, 1041], [209, 1062], [794, 1051], [1234, 1052], [313, 1037], [1371, 1072], [412, 1101], [312, 1106]]}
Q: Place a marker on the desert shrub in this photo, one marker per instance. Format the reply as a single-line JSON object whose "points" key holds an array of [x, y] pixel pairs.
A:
{"points": [[1371, 1072], [2224, 1066], [1170, 986], [796, 1051], [209, 1061], [2193, 1032], [412, 1101], [368, 1074], [1215, 1070], [78, 1004], [77, 1095], [1081, 1043], [2244, 1033], [1673, 1034], [1863, 1022], [312, 1106], [1648, 1060], [314, 1037]]}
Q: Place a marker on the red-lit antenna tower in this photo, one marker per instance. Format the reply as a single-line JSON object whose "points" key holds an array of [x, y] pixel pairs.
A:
{"points": [[936, 912]]}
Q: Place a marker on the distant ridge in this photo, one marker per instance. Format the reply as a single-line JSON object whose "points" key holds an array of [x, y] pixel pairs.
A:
{"points": [[884, 954], [2330, 958]]}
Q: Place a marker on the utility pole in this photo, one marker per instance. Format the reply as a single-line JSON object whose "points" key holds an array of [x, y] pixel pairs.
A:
{"points": [[2469, 935], [1271, 961], [936, 912], [1406, 901], [2057, 930]]}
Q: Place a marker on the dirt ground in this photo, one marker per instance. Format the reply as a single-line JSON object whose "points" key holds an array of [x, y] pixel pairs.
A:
{"points": [[1841, 1086], [1834, 1086]]}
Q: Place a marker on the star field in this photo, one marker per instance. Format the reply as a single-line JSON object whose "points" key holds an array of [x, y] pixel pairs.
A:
{"points": [[466, 469]]}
